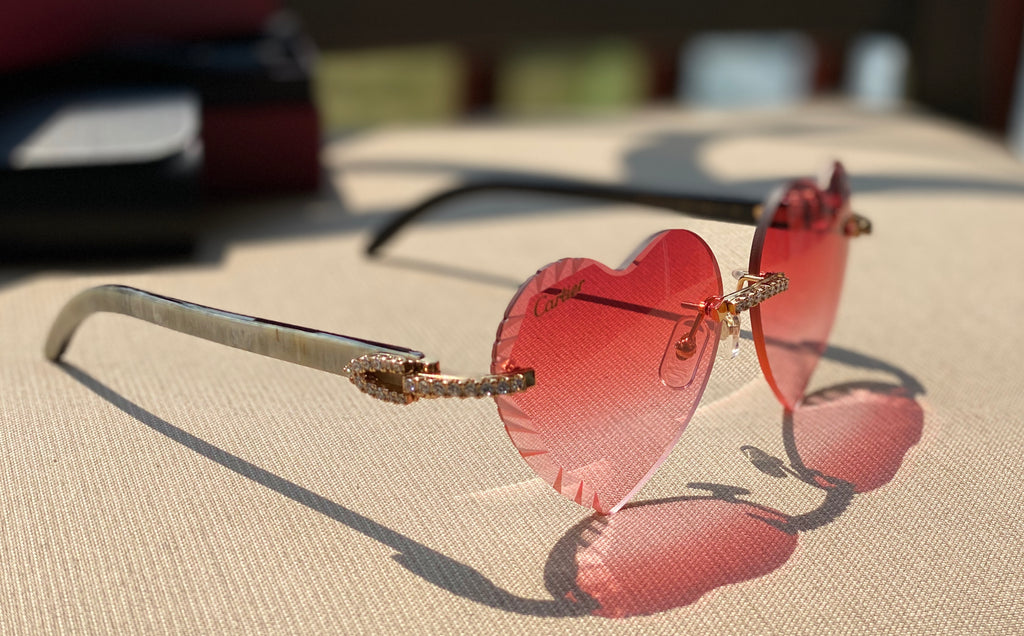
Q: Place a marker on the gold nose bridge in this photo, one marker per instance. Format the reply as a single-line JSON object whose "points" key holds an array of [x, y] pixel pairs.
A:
{"points": [[750, 291]]}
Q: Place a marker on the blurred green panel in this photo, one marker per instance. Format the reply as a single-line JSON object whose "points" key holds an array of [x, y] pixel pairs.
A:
{"points": [[543, 78], [357, 88], [423, 83]]}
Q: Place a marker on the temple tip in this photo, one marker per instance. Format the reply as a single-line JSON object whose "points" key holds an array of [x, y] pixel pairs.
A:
{"points": [[373, 247], [53, 351]]}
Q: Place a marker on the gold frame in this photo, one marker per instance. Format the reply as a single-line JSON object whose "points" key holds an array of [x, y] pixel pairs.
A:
{"points": [[387, 372]]}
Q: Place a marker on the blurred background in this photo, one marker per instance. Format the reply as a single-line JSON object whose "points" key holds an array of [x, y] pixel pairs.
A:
{"points": [[117, 105], [393, 60]]}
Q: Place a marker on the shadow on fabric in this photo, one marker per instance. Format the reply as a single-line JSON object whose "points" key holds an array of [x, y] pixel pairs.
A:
{"points": [[846, 440]]}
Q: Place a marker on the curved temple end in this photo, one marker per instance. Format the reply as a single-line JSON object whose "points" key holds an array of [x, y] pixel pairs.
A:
{"points": [[56, 343], [71, 316], [384, 234], [307, 347], [55, 346]]}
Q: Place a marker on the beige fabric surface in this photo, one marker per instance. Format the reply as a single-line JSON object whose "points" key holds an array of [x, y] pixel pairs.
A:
{"points": [[158, 483]]}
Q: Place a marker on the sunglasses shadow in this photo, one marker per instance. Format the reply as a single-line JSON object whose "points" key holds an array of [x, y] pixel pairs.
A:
{"points": [[662, 554], [434, 567], [653, 556]]}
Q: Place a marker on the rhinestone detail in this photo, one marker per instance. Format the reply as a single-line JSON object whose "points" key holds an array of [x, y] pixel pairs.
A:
{"points": [[434, 386], [755, 293], [365, 372], [415, 379]]}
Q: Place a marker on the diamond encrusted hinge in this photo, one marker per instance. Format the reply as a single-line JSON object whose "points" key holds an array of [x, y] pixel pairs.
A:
{"points": [[857, 225], [399, 380], [383, 375], [760, 289], [437, 386]]}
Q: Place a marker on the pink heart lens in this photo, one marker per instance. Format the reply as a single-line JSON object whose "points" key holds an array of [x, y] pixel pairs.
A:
{"points": [[803, 236], [621, 359]]}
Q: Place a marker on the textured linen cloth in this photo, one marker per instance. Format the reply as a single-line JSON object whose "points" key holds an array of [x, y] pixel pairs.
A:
{"points": [[160, 483]]}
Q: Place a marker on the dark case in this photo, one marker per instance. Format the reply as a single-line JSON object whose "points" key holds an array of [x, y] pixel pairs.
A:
{"points": [[118, 152]]}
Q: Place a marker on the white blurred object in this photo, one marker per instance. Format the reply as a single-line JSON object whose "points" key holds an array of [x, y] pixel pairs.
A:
{"points": [[747, 69], [876, 70], [1015, 136]]}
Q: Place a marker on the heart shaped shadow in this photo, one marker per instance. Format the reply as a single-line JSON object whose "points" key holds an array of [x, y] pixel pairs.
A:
{"points": [[659, 555]]}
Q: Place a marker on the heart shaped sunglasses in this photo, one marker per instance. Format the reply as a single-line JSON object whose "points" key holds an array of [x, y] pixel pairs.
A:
{"points": [[596, 371]]}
